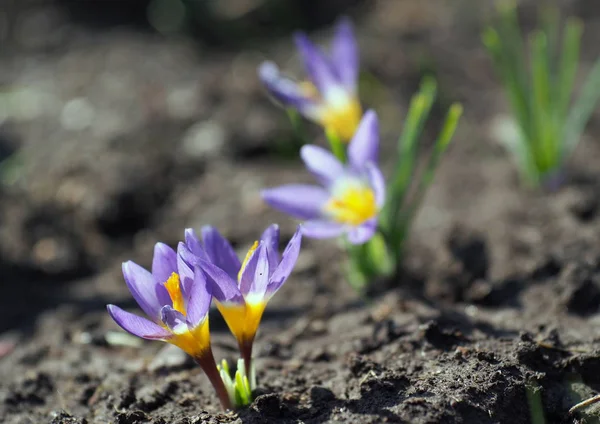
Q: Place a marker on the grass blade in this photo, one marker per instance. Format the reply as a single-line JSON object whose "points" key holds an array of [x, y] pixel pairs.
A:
{"points": [[582, 109], [544, 143], [569, 60], [441, 144], [419, 109]]}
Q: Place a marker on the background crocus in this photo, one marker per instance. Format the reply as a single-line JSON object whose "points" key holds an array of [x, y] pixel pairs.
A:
{"points": [[351, 195], [176, 300], [242, 289], [329, 97]]}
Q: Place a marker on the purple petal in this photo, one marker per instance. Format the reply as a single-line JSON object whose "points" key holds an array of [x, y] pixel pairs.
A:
{"points": [[194, 245], [221, 285], [186, 261], [299, 200], [164, 262], [136, 325], [173, 319], [317, 65], [364, 146], [260, 279], [287, 91], [271, 239], [288, 260], [147, 292], [321, 163], [198, 300], [363, 232], [344, 55], [377, 182], [220, 252], [249, 270], [321, 229]]}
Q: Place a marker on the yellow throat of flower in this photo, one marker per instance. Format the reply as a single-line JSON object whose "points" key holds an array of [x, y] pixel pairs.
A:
{"points": [[352, 204], [192, 341], [341, 117], [243, 320]]}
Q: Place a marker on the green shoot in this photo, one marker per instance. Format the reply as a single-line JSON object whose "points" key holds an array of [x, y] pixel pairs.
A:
{"points": [[381, 255], [402, 205], [540, 91]]}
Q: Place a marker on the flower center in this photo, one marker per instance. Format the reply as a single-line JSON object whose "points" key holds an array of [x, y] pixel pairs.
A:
{"points": [[353, 203], [243, 320], [342, 118], [341, 111], [174, 288]]}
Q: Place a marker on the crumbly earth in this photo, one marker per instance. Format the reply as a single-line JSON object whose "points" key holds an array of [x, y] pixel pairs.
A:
{"points": [[127, 137]]}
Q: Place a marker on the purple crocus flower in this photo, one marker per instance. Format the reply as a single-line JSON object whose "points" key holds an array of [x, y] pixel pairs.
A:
{"points": [[329, 97], [176, 300], [242, 289], [351, 195]]}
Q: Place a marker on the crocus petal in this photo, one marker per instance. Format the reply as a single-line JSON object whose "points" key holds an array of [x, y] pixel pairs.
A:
{"points": [[344, 55], [249, 269], [194, 245], [288, 260], [220, 252], [364, 146], [321, 229], [198, 300], [222, 286], [260, 280], [136, 325], [363, 232], [271, 239], [186, 261], [299, 200], [144, 288], [173, 319], [287, 91], [317, 65], [377, 182], [321, 163], [164, 262]]}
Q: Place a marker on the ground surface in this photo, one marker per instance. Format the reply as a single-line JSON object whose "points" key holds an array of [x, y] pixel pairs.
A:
{"points": [[127, 138]]}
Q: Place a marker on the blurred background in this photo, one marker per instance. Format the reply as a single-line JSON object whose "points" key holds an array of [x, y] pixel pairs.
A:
{"points": [[123, 122]]}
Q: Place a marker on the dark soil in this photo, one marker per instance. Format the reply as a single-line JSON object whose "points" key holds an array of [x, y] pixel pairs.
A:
{"points": [[495, 318]]}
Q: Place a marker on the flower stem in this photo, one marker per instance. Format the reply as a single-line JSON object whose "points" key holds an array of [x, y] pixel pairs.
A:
{"points": [[336, 144], [245, 347], [207, 362]]}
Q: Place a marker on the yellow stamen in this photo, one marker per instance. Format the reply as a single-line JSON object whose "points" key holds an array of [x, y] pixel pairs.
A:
{"points": [[173, 287], [243, 320], [246, 259], [354, 205], [193, 342]]}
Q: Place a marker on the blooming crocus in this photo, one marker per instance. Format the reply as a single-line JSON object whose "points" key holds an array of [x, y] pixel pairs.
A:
{"points": [[351, 195], [329, 97], [241, 290], [176, 300]]}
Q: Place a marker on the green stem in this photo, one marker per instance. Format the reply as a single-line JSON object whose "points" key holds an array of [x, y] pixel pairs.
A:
{"points": [[338, 148]]}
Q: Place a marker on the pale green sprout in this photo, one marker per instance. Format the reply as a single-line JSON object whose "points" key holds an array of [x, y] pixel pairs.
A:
{"points": [[240, 387], [540, 93]]}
